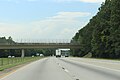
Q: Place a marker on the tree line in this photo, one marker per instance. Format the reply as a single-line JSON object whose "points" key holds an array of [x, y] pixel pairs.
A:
{"points": [[101, 36]]}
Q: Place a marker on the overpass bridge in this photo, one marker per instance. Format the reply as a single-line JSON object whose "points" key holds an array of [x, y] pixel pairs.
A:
{"points": [[38, 45]]}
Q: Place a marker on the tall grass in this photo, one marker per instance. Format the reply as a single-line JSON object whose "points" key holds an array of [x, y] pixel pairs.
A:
{"points": [[11, 62]]}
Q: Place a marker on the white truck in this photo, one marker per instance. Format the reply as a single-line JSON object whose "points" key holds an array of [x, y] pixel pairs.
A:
{"points": [[58, 53]]}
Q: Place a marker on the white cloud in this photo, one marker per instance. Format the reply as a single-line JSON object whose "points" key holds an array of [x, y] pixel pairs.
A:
{"points": [[61, 26], [15, 30], [63, 23], [70, 15]]}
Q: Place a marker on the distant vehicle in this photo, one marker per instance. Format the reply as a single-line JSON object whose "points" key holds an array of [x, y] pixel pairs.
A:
{"points": [[33, 56], [65, 52], [37, 54], [66, 55], [62, 52], [9, 56], [41, 55], [58, 53]]}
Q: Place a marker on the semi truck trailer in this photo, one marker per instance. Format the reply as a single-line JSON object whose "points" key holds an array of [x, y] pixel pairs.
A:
{"points": [[58, 53]]}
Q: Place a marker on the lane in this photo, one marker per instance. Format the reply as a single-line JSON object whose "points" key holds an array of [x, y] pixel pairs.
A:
{"points": [[66, 69], [85, 71], [45, 69]]}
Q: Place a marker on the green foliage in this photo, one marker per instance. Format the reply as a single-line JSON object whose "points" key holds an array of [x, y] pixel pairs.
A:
{"points": [[101, 35], [45, 52], [5, 53]]}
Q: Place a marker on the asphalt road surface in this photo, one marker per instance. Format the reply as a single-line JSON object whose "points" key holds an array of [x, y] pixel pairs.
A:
{"points": [[67, 69]]}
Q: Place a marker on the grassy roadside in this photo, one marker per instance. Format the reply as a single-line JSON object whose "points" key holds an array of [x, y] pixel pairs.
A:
{"points": [[6, 63]]}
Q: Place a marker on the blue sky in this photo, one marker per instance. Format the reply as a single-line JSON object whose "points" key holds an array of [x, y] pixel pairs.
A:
{"points": [[45, 19]]}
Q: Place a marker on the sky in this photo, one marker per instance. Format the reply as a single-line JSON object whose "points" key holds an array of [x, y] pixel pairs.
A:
{"points": [[45, 19]]}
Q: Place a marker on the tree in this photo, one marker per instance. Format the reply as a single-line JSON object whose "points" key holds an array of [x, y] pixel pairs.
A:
{"points": [[101, 35], [114, 38]]}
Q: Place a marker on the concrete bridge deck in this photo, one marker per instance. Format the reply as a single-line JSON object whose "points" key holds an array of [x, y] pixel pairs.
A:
{"points": [[39, 45]]}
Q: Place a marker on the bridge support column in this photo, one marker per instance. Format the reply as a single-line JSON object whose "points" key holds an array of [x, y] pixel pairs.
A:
{"points": [[23, 53]]}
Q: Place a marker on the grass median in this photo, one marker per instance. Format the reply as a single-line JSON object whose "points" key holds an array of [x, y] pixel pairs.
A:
{"points": [[6, 63]]}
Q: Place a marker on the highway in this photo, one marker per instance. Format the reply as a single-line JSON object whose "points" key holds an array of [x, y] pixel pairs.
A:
{"points": [[52, 68]]}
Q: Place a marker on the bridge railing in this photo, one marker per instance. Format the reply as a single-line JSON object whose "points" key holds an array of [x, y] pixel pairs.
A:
{"points": [[43, 42], [40, 44]]}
